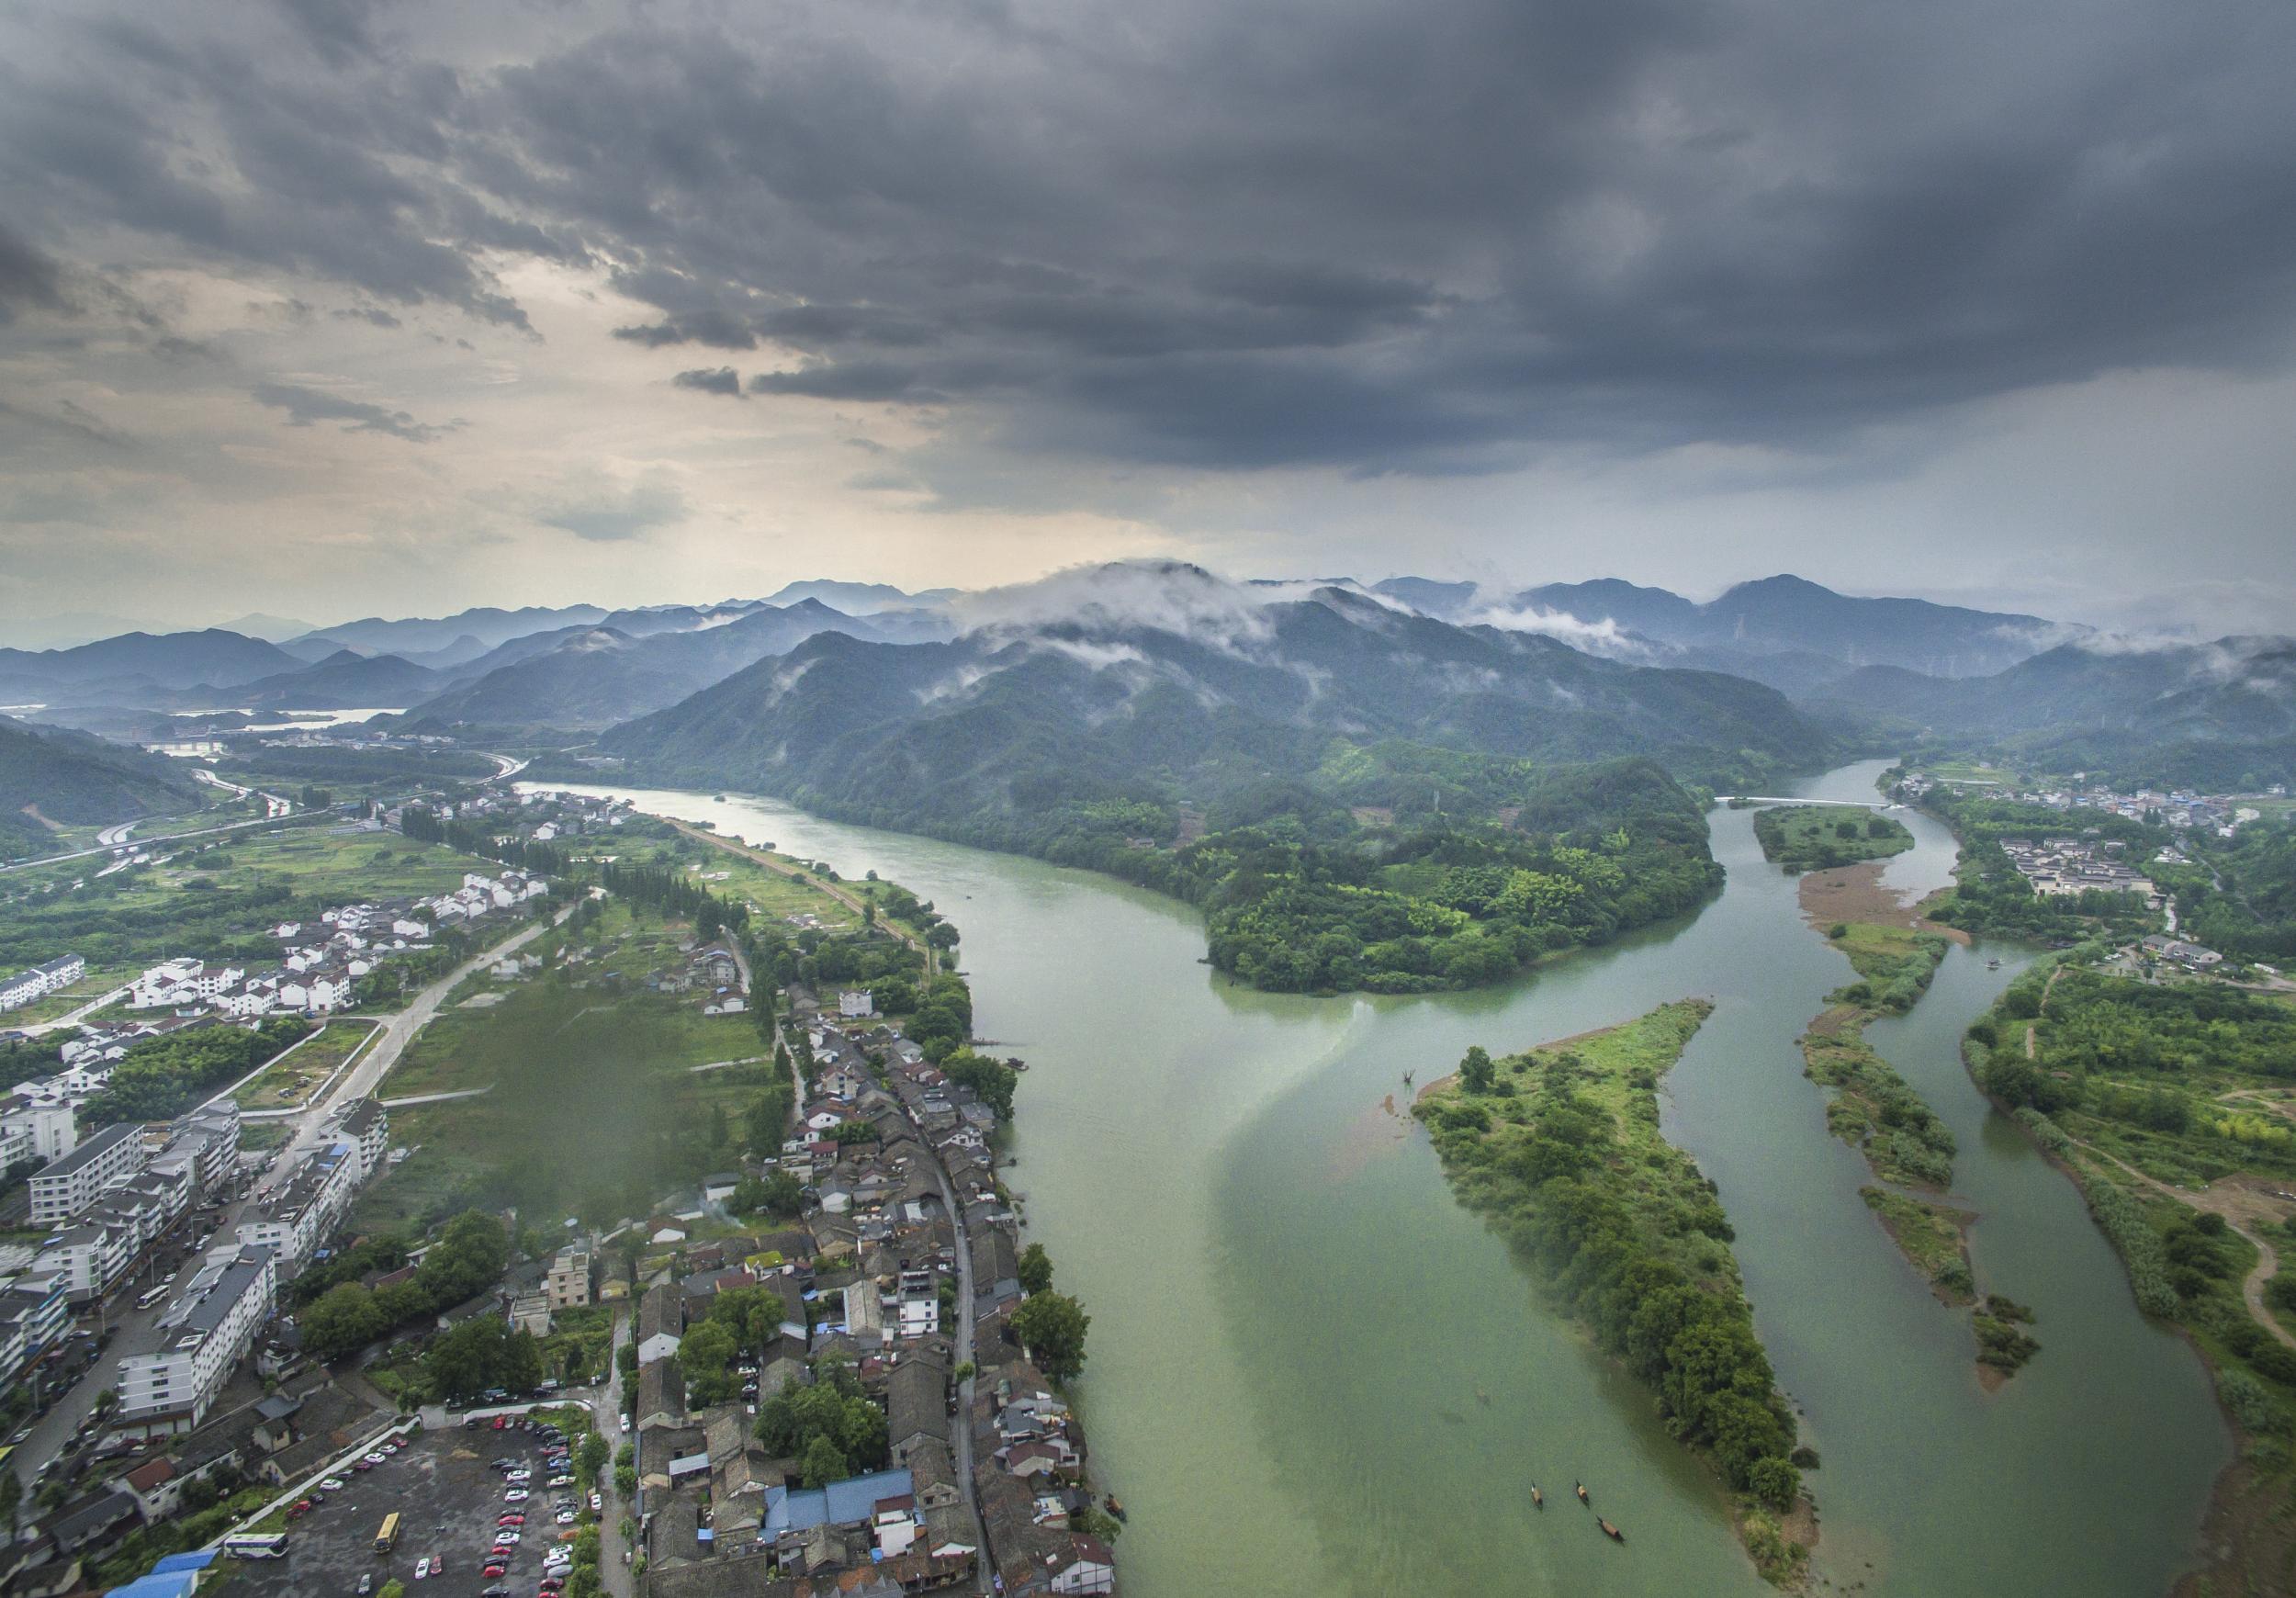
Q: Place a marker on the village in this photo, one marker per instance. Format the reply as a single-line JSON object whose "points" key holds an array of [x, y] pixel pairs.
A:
{"points": [[890, 1271], [900, 1284]]}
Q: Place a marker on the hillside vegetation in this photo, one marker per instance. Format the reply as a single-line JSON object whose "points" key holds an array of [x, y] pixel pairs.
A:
{"points": [[71, 779]]}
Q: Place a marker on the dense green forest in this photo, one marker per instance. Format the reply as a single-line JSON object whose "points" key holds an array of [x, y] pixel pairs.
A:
{"points": [[73, 779], [1360, 800], [1449, 906], [1560, 1150], [2239, 897], [163, 1076]]}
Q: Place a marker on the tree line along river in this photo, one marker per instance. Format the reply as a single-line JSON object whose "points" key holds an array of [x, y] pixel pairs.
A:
{"points": [[1311, 1372]]}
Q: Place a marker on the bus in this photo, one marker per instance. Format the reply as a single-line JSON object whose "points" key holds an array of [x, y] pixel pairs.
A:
{"points": [[150, 1296], [387, 1538], [256, 1546]]}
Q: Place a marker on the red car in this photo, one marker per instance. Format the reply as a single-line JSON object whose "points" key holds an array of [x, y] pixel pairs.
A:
{"points": [[298, 1509], [510, 1520]]}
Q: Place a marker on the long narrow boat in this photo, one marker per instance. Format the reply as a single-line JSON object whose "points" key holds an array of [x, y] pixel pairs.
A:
{"points": [[1538, 1498], [1610, 1531], [1581, 1488]]}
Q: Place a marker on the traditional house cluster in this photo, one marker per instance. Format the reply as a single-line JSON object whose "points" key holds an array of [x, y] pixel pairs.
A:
{"points": [[2191, 956], [710, 970], [2079, 865]]}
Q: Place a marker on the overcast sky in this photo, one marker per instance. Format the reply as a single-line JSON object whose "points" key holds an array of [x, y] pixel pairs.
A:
{"points": [[331, 307]]}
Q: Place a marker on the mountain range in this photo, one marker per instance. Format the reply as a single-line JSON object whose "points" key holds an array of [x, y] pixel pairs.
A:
{"points": [[2164, 707], [975, 732], [1161, 674]]}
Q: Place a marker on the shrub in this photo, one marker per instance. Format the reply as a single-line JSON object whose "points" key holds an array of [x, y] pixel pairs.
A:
{"points": [[2250, 1404]]}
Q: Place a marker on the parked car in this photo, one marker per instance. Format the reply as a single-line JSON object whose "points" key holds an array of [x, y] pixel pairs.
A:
{"points": [[422, 1570], [515, 1495]]}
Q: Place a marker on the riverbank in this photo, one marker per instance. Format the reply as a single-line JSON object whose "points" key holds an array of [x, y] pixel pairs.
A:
{"points": [[1559, 1149], [1294, 1319]]}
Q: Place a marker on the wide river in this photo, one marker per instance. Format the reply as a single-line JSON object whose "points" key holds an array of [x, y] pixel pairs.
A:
{"points": [[1311, 1372]]}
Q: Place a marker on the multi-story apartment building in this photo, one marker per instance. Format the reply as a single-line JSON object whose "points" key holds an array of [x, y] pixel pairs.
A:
{"points": [[568, 1283], [72, 1182], [210, 1326], [34, 1314], [306, 1207], [366, 1127], [89, 1257], [54, 1129]]}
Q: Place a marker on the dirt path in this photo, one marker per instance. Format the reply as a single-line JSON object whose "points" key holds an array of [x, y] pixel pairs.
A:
{"points": [[2235, 1204], [850, 901], [2045, 988]]}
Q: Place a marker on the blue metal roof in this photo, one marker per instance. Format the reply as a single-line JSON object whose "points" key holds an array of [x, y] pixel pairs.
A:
{"points": [[846, 1502]]}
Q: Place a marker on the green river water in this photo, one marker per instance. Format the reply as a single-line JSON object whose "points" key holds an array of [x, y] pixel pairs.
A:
{"points": [[1312, 1373]]}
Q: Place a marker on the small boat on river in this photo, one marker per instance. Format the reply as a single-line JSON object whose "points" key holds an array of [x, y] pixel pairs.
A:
{"points": [[1610, 1531], [1538, 1498], [1117, 1509], [1580, 1488]]}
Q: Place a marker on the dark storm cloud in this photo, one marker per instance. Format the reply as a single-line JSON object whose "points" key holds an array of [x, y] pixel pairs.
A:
{"points": [[1386, 236], [29, 279], [711, 381], [306, 406]]}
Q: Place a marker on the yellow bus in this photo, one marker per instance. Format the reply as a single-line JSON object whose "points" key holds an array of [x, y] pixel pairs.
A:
{"points": [[387, 1538]]}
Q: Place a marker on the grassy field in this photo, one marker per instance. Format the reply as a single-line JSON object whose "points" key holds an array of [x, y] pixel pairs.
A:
{"points": [[290, 1080], [565, 1051]]}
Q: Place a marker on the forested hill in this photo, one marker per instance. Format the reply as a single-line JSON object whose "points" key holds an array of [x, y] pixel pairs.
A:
{"points": [[1358, 797], [74, 779], [993, 728], [2221, 714]]}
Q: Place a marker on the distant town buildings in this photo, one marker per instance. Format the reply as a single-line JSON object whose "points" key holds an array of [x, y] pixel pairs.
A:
{"points": [[41, 981]]}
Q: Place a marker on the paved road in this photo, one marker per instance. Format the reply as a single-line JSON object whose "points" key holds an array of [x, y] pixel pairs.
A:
{"points": [[76, 1017], [616, 1574], [25, 865], [134, 1331], [960, 1435]]}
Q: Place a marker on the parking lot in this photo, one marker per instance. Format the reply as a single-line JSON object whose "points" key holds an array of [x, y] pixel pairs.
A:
{"points": [[447, 1495]]}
